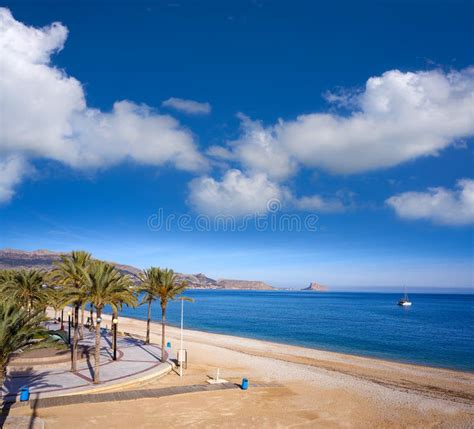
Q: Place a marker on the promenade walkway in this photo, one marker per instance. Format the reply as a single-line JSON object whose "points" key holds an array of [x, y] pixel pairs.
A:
{"points": [[135, 361], [130, 395]]}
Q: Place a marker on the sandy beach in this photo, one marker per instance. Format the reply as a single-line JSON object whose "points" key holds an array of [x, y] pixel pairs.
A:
{"points": [[316, 389]]}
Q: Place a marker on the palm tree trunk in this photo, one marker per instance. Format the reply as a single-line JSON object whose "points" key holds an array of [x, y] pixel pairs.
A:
{"points": [[97, 347], [3, 374], [163, 324], [147, 340], [91, 327], [83, 309], [75, 339]]}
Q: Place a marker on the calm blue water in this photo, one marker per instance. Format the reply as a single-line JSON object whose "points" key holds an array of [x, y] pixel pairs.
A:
{"points": [[437, 330]]}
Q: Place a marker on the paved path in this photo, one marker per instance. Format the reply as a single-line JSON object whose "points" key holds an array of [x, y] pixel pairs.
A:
{"points": [[135, 360], [138, 394]]}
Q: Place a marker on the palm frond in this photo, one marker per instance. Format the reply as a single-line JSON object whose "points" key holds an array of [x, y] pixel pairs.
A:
{"points": [[17, 328]]}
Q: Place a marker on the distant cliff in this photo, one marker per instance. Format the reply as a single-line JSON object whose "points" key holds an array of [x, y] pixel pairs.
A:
{"points": [[198, 281], [243, 284], [44, 259], [316, 287]]}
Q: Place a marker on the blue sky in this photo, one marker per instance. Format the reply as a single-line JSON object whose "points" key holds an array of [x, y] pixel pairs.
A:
{"points": [[359, 113]]}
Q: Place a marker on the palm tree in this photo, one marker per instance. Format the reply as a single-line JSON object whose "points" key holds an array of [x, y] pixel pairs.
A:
{"points": [[150, 287], [17, 327], [6, 276], [107, 286], [91, 310], [169, 289], [83, 310], [56, 298], [69, 273], [27, 289]]}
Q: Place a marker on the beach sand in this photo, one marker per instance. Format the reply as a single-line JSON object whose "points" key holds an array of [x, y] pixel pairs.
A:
{"points": [[313, 388]]}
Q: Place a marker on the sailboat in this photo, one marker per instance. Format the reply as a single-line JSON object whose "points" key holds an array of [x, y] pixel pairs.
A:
{"points": [[405, 302]]}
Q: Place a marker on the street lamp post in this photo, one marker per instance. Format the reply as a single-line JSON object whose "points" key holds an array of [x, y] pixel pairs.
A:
{"points": [[114, 322], [62, 319], [69, 327]]}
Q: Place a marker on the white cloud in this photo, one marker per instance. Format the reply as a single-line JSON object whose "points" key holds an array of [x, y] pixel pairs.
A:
{"points": [[132, 132], [258, 151], [236, 194], [44, 113], [342, 97], [190, 107], [317, 203], [439, 205], [398, 117], [12, 169]]}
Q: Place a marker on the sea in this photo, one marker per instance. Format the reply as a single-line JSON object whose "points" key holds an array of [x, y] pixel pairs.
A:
{"points": [[437, 330]]}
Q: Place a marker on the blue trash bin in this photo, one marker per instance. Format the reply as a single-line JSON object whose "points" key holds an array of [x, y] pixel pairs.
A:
{"points": [[245, 384], [24, 394], [168, 344]]}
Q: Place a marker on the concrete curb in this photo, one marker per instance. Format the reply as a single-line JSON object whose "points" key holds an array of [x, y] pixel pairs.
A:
{"points": [[162, 370]]}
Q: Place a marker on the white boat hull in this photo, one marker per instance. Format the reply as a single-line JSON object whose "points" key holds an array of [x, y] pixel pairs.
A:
{"points": [[405, 302]]}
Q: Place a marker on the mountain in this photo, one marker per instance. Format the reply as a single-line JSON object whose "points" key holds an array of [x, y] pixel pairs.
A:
{"points": [[44, 259], [199, 281], [243, 284], [316, 287]]}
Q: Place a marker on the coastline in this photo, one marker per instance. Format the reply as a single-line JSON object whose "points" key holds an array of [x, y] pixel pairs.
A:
{"points": [[321, 349], [432, 381], [290, 386]]}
